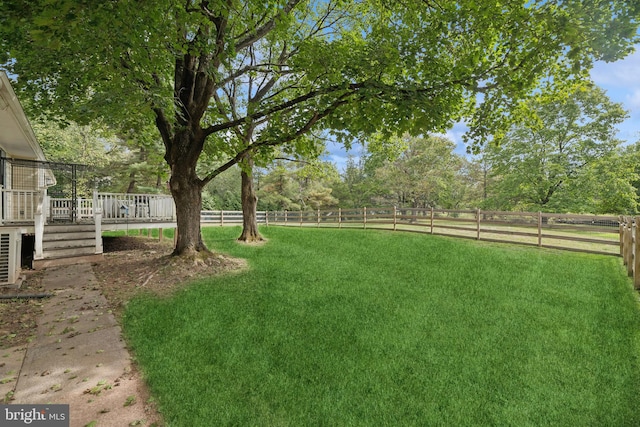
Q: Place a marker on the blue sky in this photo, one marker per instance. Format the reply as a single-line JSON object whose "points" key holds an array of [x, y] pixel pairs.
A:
{"points": [[620, 79]]}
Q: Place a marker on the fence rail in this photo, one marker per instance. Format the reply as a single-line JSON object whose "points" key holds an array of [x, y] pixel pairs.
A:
{"points": [[227, 217], [598, 234], [586, 233]]}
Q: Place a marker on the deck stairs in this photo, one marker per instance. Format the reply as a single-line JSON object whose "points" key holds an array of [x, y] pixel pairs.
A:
{"points": [[65, 244]]}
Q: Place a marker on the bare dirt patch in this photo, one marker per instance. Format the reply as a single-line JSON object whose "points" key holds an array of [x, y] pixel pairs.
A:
{"points": [[18, 315], [133, 265]]}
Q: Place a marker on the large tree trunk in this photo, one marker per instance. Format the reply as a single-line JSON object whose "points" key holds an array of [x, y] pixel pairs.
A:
{"points": [[250, 231], [187, 195], [184, 141], [186, 189]]}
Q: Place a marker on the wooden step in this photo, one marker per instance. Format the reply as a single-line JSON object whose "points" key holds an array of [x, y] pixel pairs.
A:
{"points": [[69, 252], [69, 228], [54, 262], [65, 244], [77, 235], [68, 243]]}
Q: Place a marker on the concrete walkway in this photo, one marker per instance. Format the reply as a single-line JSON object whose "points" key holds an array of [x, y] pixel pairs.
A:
{"points": [[78, 356]]}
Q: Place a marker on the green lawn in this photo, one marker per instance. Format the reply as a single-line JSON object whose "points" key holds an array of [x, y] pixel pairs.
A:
{"points": [[362, 327]]}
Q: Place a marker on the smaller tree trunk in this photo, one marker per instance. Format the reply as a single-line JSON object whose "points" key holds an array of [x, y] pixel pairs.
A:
{"points": [[132, 183], [249, 199]]}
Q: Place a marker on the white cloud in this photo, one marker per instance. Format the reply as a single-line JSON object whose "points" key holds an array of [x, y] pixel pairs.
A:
{"points": [[338, 155], [633, 100], [621, 81], [624, 74]]}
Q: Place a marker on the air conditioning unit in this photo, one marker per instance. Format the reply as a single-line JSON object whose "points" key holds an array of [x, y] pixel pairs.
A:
{"points": [[10, 250]]}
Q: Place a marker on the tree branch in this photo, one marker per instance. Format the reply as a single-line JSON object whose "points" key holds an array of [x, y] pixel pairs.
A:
{"points": [[262, 91], [267, 27], [315, 118], [284, 106], [165, 130], [288, 159]]}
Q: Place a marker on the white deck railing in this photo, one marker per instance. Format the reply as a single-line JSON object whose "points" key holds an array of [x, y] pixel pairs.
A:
{"points": [[20, 206], [62, 209], [135, 206], [35, 207]]}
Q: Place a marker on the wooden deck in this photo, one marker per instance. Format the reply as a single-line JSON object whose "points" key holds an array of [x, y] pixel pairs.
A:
{"points": [[24, 209], [70, 230]]}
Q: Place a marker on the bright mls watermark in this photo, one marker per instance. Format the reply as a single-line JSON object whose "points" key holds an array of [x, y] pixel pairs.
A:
{"points": [[34, 415]]}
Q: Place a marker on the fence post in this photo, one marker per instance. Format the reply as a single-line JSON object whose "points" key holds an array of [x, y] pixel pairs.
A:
{"points": [[629, 245], [625, 246], [286, 217], [39, 233], [621, 228], [221, 218], [636, 255], [478, 224], [95, 202], [318, 217], [300, 218], [365, 217], [266, 218], [431, 216], [339, 217], [395, 218], [539, 229], [97, 217]]}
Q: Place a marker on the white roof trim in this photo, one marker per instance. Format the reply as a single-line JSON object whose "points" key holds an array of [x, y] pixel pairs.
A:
{"points": [[12, 117]]}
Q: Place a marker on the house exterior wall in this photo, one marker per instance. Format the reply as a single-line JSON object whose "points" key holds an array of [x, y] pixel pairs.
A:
{"points": [[20, 183]]}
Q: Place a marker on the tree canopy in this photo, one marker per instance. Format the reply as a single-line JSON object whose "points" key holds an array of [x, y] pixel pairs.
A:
{"points": [[207, 71], [566, 159], [423, 175], [290, 185], [125, 162]]}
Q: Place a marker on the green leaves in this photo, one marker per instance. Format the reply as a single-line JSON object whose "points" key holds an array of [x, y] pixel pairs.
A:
{"points": [[297, 186], [425, 174], [247, 75], [557, 163]]}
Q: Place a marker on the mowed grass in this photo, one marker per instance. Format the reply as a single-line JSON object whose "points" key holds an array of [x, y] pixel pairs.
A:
{"points": [[362, 327]]}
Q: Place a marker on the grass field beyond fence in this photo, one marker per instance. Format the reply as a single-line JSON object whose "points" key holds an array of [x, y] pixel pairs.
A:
{"points": [[363, 327]]}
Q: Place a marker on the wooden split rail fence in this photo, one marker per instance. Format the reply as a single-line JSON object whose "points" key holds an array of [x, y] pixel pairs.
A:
{"points": [[586, 233], [630, 246], [599, 234]]}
